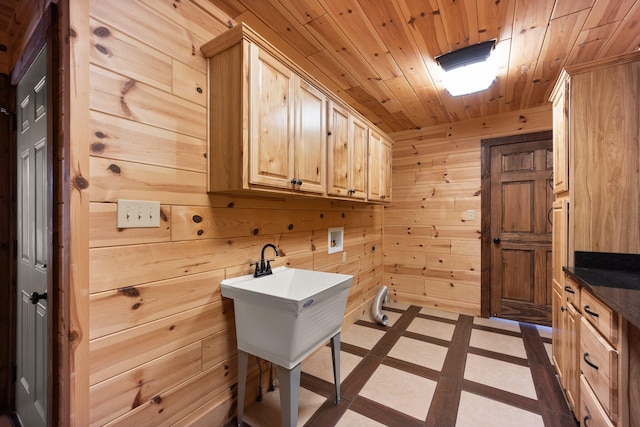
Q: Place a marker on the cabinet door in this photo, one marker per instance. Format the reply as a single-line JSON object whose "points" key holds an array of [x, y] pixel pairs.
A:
{"points": [[379, 187], [271, 127], [558, 331], [385, 171], [338, 151], [359, 138], [559, 239], [572, 357], [310, 142], [561, 140], [347, 154], [375, 165]]}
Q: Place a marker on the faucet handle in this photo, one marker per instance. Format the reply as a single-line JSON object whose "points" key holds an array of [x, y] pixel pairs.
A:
{"points": [[268, 269], [257, 270]]}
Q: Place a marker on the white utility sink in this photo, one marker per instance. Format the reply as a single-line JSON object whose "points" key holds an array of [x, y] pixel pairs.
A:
{"points": [[285, 316]]}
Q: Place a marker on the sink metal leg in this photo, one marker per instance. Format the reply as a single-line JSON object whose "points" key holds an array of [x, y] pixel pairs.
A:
{"points": [[335, 354], [289, 393], [243, 360]]}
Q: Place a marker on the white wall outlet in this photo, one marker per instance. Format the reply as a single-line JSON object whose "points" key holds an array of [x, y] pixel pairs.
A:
{"points": [[471, 215], [138, 214], [344, 257]]}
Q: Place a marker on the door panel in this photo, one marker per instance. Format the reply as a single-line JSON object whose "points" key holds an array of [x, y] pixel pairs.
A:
{"points": [[32, 218], [517, 194], [517, 274], [521, 199]]}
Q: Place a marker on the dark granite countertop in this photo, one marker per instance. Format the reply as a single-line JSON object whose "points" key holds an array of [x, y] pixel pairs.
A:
{"points": [[618, 288]]}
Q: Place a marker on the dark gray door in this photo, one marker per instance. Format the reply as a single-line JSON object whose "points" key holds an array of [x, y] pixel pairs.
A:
{"points": [[32, 236]]}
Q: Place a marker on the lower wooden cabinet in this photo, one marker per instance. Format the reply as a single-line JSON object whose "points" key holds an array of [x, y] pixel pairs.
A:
{"points": [[566, 341], [591, 413], [592, 357], [572, 366], [599, 365]]}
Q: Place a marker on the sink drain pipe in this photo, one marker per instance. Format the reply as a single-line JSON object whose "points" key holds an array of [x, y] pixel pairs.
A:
{"points": [[376, 308]]}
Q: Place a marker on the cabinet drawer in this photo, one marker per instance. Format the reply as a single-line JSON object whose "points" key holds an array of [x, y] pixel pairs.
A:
{"points": [[571, 291], [591, 412], [600, 316], [599, 365]]}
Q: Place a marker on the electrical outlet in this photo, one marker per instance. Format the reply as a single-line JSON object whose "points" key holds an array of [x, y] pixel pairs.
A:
{"points": [[471, 215], [344, 257], [138, 214]]}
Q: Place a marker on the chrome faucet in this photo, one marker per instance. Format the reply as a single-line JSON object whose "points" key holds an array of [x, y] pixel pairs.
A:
{"points": [[263, 267]]}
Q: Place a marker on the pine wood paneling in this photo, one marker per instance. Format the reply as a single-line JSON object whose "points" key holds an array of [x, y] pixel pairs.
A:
{"points": [[74, 212], [113, 49], [130, 306], [130, 99], [119, 139], [148, 142], [431, 250], [176, 41], [116, 353], [113, 180], [167, 408], [122, 393]]}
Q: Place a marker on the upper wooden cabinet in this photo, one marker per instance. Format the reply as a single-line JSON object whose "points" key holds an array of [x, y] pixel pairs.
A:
{"points": [[268, 126], [347, 153], [379, 186], [597, 153], [560, 135]]}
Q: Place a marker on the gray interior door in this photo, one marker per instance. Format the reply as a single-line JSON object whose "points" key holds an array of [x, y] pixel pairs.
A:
{"points": [[32, 236]]}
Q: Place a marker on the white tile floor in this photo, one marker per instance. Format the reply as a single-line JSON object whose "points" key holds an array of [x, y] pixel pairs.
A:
{"points": [[409, 391]]}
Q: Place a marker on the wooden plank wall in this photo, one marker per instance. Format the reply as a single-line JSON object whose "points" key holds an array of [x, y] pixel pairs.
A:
{"points": [[431, 249], [162, 339]]}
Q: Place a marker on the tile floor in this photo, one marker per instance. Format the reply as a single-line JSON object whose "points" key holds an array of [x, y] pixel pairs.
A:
{"points": [[429, 368]]}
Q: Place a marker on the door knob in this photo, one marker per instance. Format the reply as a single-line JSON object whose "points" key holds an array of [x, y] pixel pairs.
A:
{"points": [[35, 297], [496, 240]]}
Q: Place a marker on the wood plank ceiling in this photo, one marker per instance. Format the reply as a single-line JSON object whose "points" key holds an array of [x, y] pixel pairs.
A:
{"points": [[378, 55]]}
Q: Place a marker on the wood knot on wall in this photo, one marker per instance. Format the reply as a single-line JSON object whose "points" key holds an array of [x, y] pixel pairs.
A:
{"points": [[102, 33], [80, 183], [113, 168]]}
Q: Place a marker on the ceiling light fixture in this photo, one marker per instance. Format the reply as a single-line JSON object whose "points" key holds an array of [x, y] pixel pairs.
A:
{"points": [[469, 69]]}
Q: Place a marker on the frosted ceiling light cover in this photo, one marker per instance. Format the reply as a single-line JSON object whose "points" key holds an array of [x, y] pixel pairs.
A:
{"points": [[469, 69], [470, 78]]}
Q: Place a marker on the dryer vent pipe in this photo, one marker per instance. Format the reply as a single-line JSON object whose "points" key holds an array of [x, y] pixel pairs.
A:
{"points": [[376, 308]]}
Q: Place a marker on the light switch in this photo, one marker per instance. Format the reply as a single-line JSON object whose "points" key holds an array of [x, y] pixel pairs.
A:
{"points": [[471, 215], [138, 214]]}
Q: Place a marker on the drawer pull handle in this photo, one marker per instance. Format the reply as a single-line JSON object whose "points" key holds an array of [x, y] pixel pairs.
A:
{"points": [[588, 362], [584, 421], [569, 289], [589, 312], [563, 309]]}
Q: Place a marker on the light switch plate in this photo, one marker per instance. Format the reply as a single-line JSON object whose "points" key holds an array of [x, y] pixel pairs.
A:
{"points": [[471, 215], [138, 214]]}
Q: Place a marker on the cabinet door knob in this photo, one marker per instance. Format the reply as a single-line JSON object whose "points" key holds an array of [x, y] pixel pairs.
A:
{"points": [[293, 181], [496, 240], [299, 182], [563, 309]]}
